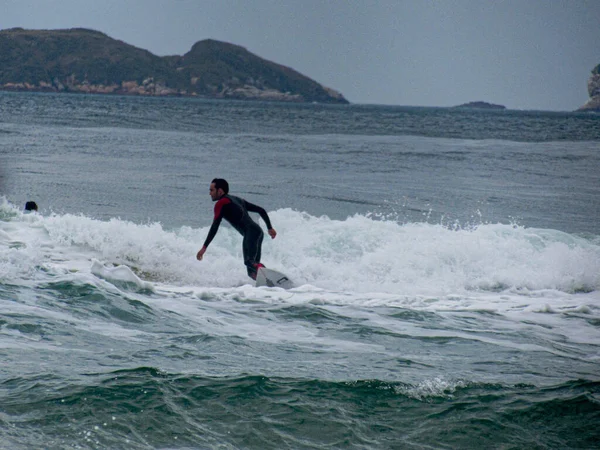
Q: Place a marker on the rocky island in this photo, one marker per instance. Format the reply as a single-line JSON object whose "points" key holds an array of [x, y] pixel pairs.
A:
{"points": [[480, 105], [88, 61], [593, 104]]}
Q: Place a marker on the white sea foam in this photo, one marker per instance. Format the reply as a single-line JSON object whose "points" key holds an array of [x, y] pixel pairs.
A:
{"points": [[358, 260], [430, 388], [120, 274]]}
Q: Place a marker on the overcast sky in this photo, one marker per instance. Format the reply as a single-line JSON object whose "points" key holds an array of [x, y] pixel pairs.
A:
{"points": [[525, 54]]}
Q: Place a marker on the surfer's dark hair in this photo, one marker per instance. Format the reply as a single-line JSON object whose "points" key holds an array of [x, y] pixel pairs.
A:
{"points": [[220, 183], [31, 206]]}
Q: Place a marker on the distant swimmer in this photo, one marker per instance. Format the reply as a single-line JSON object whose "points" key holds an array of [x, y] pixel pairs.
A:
{"points": [[235, 211], [31, 206]]}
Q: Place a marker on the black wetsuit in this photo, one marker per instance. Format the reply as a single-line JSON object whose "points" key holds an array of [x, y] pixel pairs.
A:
{"points": [[235, 211]]}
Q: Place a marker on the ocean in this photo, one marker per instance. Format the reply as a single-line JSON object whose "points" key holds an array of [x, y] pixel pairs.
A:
{"points": [[447, 265]]}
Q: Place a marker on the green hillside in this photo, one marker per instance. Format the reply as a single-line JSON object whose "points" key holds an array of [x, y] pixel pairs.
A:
{"points": [[81, 60], [213, 65]]}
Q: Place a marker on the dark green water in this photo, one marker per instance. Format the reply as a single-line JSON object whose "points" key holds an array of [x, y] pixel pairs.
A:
{"points": [[143, 408]]}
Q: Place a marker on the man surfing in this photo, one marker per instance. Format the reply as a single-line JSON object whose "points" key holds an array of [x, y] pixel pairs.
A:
{"points": [[235, 211]]}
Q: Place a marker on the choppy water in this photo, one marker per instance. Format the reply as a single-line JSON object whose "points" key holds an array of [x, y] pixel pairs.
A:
{"points": [[447, 263]]}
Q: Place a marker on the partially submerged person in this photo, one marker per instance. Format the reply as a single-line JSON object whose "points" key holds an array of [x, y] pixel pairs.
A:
{"points": [[235, 211], [31, 206]]}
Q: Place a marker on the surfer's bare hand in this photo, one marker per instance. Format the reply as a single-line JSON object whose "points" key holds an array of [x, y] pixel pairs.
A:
{"points": [[201, 253], [272, 233]]}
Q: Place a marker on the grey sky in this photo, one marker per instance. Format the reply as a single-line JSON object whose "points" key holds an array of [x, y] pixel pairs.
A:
{"points": [[525, 54]]}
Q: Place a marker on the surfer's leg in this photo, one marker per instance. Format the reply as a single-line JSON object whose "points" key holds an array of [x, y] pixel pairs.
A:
{"points": [[251, 247]]}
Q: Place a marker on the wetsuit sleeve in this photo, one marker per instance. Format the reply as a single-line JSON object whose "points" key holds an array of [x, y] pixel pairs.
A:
{"points": [[257, 209], [216, 221]]}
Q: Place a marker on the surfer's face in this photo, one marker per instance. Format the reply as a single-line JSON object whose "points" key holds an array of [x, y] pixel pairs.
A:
{"points": [[214, 193]]}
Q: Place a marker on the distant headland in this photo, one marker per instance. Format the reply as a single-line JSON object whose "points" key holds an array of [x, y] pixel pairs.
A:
{"points": [[593, 104], [480, 105], [88, 61]]}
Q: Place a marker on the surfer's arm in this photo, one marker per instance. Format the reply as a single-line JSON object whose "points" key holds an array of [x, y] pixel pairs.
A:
{"points": [[211, 234], [213, 229], [263, 214]]}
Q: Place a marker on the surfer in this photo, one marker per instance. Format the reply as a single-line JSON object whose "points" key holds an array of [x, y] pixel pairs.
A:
{"points": [[31, 206], [235, 211]]}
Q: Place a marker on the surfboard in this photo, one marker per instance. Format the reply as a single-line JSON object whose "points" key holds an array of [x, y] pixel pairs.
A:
{"points": [[272, 278]]}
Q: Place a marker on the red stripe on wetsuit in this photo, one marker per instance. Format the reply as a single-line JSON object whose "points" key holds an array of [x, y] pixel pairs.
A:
{"points": [[217, 220], [219, 205]]}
